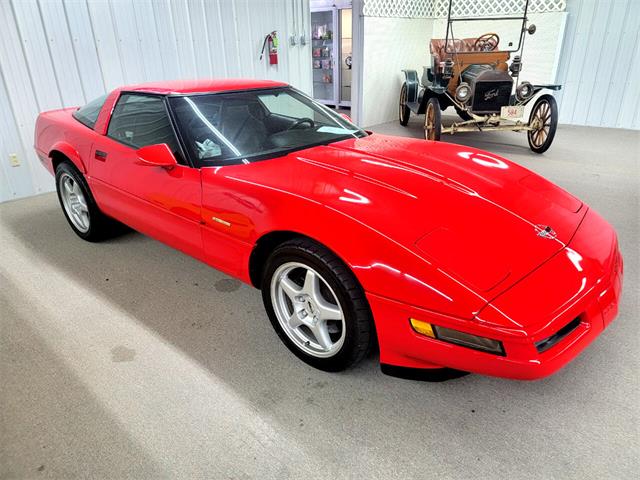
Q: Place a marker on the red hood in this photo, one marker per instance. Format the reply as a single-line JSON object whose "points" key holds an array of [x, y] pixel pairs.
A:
{"points": [[475, 215]]}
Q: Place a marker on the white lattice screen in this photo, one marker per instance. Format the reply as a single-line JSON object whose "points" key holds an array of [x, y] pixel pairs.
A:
{"points": [[461, 8]]}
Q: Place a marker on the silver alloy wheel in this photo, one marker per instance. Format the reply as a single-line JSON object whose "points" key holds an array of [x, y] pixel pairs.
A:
{"points": [[74, 202], [307, 309]]}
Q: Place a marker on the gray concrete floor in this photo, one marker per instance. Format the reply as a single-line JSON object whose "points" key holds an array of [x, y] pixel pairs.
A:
{"points": [[129, 359]]}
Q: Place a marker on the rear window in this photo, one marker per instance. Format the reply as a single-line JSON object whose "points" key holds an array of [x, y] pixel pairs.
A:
{"points": [[88, 115]]}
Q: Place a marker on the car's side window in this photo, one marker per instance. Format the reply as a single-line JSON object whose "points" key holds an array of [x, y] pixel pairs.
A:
{"points": [[141, 120], [88, 115]]}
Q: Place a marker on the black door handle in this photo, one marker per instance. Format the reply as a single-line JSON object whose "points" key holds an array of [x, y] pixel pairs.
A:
{"points": [[100, 155]]}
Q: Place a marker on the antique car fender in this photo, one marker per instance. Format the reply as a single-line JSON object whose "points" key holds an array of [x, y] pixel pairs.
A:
{"points": [[411, 79], [538, 88], [418, 103]]}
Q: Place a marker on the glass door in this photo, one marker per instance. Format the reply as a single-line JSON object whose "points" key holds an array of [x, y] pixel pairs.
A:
{"points": [[323, 27], [345, 57]]}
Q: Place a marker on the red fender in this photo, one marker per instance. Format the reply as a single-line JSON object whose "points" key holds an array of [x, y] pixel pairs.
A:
{"points": [[69, 152]]}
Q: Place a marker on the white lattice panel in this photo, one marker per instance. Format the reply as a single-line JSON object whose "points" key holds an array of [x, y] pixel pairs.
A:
{"points": [[461, 8], [399, 8]]}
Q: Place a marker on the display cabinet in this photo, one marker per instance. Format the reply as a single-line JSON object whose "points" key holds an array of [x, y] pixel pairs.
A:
{"points": [[331, 55]]}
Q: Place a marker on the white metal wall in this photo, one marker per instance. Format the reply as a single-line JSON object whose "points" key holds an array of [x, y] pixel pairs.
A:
{"points": [[59, 53], [600, 64]]}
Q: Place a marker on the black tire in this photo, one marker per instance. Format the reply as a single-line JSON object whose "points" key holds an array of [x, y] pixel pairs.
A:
{"points": [[100, 226], [359, 333], [463, 115], [404, 112], [546, 111], [432, 120]]}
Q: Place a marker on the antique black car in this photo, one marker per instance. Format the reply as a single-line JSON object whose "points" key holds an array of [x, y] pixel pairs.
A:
{"points": [[473, 75]]}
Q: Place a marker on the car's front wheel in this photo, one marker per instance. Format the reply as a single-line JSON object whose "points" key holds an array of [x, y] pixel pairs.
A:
{"points": [[316, 305], [544, 117], [79, 206]]}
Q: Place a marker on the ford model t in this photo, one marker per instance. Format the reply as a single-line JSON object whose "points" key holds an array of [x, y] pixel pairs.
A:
{"points": [[470, 71]]}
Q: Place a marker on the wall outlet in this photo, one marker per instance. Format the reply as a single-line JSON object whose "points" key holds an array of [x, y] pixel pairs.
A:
{"points": [[14, 160]]}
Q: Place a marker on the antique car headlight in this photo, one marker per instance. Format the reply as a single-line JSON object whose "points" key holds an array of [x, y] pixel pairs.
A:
{"points": [[457, 337], [524, 91], [463, 92]]}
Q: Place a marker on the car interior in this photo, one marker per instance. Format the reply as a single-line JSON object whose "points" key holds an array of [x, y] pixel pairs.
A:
{"points": [[227, 127]]}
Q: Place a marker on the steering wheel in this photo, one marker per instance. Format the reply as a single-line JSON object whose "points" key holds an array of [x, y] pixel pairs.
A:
{"points": [[300, 121], [487, 42]]}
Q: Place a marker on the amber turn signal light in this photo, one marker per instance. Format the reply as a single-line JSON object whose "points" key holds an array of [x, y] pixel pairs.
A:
{"points": [[457, 337], [422, 327]]}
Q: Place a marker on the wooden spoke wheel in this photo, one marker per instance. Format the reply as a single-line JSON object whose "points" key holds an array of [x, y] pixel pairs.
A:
{"points": [[432, 120], [404, 109], [544, 120]]}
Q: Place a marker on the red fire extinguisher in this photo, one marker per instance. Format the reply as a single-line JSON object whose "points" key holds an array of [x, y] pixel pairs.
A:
{"points": [[271, 45]]}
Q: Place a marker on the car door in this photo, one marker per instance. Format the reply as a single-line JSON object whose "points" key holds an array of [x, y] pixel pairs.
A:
{"points": [[163, 203]]}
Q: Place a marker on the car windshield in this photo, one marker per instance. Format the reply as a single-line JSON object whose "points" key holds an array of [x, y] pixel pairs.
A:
{"points": [[224, 128], [482, 30]]}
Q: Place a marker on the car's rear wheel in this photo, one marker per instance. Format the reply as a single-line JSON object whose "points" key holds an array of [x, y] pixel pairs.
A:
{"points": [[316, 305], [79, 206], [404, 109], [432, 120], [544, 115]]}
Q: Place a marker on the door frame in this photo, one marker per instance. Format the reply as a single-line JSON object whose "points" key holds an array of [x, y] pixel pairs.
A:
{"points": [[357, 67]]}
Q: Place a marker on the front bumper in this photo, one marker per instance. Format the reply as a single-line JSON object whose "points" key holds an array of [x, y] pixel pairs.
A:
{"points": [[582, 281]]}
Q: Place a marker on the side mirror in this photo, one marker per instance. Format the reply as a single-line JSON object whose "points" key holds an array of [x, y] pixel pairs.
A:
{"points": [[159, 155], [346, 117]]}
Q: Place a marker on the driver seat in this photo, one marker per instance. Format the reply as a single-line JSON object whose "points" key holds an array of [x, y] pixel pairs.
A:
{"points": [[242, 127], [438, 50]]}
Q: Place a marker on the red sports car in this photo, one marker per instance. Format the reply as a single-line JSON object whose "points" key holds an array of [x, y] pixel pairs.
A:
{"points": [[449, 256]]}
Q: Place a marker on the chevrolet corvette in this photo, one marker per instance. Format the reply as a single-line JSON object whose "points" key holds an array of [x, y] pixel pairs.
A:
{"points": [[441, 256]]}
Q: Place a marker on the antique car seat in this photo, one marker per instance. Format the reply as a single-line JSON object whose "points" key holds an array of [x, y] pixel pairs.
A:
{"points": [[439, 53]]}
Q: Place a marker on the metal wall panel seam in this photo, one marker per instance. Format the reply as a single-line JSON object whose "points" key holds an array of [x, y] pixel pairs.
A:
{"points": [[116, 32], [612, 71], [24, 144], [631, 83], [599, 60], [94, 44], [221, 30], [582, 63], [236, 35], [569, 60], [24, 54], [253, 67], [73, 50], [55, 73], [6, 176]]}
